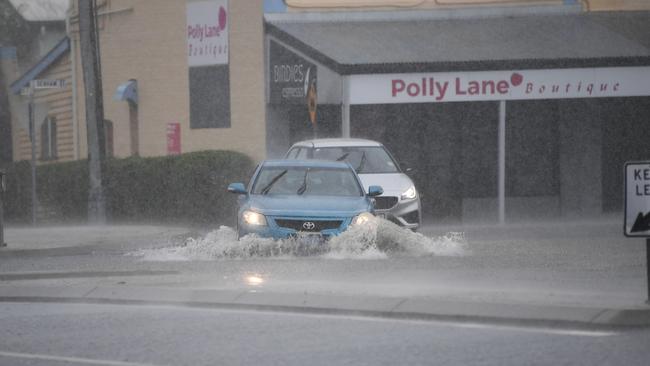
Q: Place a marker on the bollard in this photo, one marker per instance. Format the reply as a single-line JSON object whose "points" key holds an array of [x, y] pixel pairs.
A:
{"points": [[2, 190]]}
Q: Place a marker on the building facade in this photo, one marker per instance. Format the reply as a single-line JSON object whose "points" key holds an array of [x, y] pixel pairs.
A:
{"points": [[244, 75], [158, 98], [493, 107]]}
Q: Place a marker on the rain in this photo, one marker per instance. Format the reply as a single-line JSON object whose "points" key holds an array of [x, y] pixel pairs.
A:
{"points": [[324, 182]]}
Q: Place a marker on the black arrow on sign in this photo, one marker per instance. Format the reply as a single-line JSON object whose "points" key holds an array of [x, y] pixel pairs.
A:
{"points": [[642, 223]]}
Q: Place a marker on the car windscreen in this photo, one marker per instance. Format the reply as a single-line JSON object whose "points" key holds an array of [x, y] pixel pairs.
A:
{"points": [[306, 181], [365, 160]]}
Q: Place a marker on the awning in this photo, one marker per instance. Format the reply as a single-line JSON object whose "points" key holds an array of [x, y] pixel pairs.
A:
{"points": [[50, 58], [127, 91], [481, 41]]}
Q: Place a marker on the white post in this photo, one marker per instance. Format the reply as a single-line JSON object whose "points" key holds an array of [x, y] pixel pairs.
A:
{"points": [[502, 162], [345, 106]]}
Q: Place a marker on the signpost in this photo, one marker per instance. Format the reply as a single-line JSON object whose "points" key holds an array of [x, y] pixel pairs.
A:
{"points": [[2, 189], [36, 85], [637, 206]]}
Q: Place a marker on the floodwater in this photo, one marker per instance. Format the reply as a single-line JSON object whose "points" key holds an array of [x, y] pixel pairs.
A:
{"points": [[379, 239]]}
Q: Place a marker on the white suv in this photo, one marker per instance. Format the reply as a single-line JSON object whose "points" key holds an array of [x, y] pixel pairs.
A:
{"points": [[400, 201]]}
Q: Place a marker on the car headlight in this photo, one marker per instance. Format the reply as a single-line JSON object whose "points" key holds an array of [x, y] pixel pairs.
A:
{"points": [[362, 218], [253, 218], [409, 194]]}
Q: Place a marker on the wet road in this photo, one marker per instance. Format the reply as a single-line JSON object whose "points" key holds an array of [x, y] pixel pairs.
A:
{"points": [[120, 335], [584, 264]]}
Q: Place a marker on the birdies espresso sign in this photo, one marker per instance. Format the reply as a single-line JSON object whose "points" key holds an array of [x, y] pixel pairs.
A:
{"points": [[291, 77], [207, 33], [500, 85]]}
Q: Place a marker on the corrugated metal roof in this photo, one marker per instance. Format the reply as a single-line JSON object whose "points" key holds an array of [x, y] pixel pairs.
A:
{"points": [[544, 37], [41, 10]]}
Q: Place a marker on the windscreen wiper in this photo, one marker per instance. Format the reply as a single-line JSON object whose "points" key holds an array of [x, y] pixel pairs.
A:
{"points": [[362, 162], [342, 157], [267, 188], [303, 187]]}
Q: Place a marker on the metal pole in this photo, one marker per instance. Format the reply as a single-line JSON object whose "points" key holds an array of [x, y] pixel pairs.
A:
{"points": [[2, 230], [502, 162], [647, 266], [345, 106], [32, 135]]}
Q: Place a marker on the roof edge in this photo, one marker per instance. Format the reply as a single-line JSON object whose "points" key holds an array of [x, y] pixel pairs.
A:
{"points": [[494, 65], [308, 50], [434, 14]]}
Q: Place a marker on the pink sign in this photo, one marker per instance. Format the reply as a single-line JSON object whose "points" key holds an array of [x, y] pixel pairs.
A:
{"points": [[207, 33], [173, 138]]}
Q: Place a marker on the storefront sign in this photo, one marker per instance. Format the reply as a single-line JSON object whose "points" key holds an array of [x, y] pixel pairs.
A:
{"points": [[500, 85], [173, 138], [290, 76], [637, 199], [207, 33]]}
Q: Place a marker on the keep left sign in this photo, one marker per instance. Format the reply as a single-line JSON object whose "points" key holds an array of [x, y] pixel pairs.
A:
{"points": [[637, 199]]}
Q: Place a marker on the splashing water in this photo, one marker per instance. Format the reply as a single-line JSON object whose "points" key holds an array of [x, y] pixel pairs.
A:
{"points": [[376, 240]]}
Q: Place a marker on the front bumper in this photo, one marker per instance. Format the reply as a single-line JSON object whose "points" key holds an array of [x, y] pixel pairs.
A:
{"points": [[277, 228], [405, 213]]}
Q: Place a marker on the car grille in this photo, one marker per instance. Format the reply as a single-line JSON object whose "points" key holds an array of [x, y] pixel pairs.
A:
{"points": [[299, 225], [385, 202]]}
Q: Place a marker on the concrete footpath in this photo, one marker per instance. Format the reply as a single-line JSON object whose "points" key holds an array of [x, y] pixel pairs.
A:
{"points": [[411, 307], [393, 307]]}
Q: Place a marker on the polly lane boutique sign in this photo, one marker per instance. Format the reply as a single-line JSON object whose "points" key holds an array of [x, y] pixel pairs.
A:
{"points": [[500, 85], [207, 33]]}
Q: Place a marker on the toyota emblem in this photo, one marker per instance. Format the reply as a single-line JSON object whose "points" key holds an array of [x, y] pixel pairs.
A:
{"points": [[308, 225]]}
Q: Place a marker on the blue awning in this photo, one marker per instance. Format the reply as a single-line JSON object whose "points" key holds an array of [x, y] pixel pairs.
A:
{"points": [[127, 91]]}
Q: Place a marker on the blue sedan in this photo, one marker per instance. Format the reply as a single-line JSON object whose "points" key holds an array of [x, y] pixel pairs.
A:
{"points": [[316, 199]]}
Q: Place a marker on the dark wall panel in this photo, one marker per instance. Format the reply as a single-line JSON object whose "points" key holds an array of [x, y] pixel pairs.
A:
{"points": [[210, 96]]}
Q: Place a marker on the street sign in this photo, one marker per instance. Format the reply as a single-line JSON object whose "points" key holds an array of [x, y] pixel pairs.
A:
{"points": [[637, 199], [48, 83]]}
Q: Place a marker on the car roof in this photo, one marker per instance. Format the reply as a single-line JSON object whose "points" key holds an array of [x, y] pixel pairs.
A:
{"points": [[306, 163], [337, 142]]}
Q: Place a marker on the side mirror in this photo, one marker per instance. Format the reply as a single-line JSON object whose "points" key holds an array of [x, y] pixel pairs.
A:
{"points": [[374, 191], [237, 188], [3, 182]]}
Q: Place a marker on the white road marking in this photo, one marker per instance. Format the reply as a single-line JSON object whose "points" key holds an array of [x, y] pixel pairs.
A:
{"points": [[88, 361]]}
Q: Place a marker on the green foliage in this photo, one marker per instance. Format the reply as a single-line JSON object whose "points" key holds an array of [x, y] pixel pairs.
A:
{"points": [[188, 188], [16, 199]]}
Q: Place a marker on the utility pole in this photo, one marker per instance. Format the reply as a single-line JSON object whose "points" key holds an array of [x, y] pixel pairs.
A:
{"points": [[89, 40]]}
